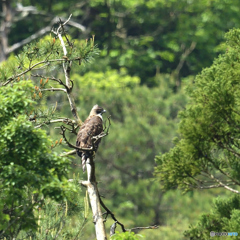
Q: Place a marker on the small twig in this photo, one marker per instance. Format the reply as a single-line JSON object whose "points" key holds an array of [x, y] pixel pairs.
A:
{"points": [[84, 221], [109, 124], [140, 228], [62, 24], [59, 229], [103, 134], [108, 211], [50, 78]]}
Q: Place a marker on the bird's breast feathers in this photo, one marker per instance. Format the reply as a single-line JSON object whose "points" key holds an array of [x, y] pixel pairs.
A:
{"points": [[90, 128]]}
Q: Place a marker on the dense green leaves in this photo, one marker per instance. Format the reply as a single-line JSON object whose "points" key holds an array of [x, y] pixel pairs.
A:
{"points": [[209, 143], [29, 171], [108, 80], [223, 218], [126, 236]]}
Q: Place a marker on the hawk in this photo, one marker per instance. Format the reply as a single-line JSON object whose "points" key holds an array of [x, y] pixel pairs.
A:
{"points": [[91, 127]]}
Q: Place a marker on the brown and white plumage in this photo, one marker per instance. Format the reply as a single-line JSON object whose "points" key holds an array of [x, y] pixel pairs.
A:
{"points": [[91, 127]]}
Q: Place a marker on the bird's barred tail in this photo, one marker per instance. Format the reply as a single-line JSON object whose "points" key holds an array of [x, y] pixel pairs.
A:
{"points": [[84, 159]]}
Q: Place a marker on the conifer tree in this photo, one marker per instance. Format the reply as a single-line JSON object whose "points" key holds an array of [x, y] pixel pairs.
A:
{"points": [[206, 155]]}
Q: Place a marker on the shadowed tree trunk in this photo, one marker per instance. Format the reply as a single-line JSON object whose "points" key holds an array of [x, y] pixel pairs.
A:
{"points": [[5, 28]]}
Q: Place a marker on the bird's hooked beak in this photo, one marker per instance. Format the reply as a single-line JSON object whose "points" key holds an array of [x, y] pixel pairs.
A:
{"points": [[104, 111]]}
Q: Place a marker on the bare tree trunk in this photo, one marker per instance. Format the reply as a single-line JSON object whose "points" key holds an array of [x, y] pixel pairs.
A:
{"points": [[4, 28], [96, 210], [93, 194]]}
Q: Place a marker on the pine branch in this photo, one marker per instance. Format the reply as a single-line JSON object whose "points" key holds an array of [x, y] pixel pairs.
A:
{"points": [[50, 78], [31, 68]]}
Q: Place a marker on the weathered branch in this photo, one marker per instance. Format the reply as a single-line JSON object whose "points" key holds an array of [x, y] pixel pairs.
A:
{"points": [[68, 153], [113, 227], [108, 211], [60, 36], [141, 228], [67, 121], [52, 89], [223, 172], [223, 185], [96, 208], [67, 69], [183, 59], [42, 32], [212, 186], [34, 36], [94, 198], [184, 56]]}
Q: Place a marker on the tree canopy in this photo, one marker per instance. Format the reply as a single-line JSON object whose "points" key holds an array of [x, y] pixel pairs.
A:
{"points": [[147, 55], [206, 154], [29, 171], [174, 36]]}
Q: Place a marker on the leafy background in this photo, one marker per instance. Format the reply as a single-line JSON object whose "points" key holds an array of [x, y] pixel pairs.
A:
{"points": [[149, 52]]}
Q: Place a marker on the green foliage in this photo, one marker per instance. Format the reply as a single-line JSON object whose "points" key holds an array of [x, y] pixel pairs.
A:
{"points": [[61, 220], [48, 55], [143, 36], [29, 171], [107, 80], [126, 236], [208, 143], [224, 218]]}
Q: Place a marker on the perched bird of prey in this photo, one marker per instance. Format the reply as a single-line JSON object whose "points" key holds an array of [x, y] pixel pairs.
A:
{"points": [[92, 127]]}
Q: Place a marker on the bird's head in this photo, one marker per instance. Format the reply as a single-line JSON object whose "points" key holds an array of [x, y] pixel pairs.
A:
{"points": [[96, 110]]}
